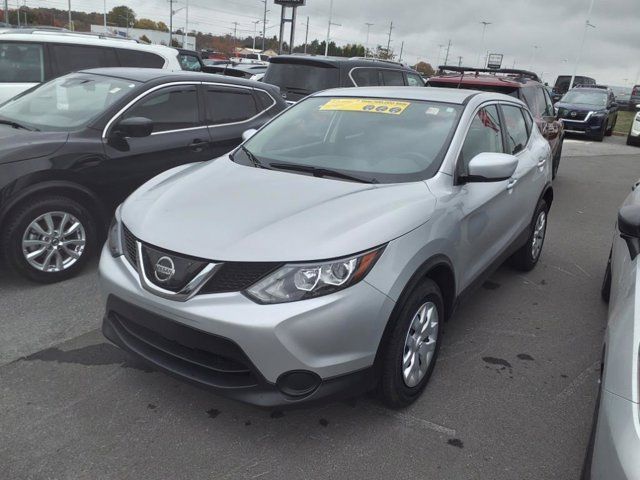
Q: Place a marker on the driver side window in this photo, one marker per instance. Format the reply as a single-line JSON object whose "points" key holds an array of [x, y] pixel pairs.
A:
{"points": [[171, 108], [484, 135]]}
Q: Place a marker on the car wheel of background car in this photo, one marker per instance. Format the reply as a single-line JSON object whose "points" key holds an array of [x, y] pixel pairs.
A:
{"points": [[556, 160], [411, 350], [598, 137], [605, 291], [609, 131], [527, 257], [49, 239], [633, 141]]}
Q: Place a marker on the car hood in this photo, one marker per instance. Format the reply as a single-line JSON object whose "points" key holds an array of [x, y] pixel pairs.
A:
{"points": [[578, 107], [220, 210], [17, 144]]}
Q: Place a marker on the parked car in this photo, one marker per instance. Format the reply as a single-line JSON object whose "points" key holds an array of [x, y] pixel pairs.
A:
{"points": [[30, 57], [562, 85], [519, 84], [633, 138], [589, 111], [301, 75], [615, 441], [634, 99], [81, 143], [323, 255], [622, 97]]}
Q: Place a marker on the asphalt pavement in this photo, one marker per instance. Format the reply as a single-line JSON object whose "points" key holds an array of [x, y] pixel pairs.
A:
{"points": [[511, 397]]}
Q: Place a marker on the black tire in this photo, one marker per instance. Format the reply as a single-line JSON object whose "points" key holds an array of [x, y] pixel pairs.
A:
{"points": [[605, 290], [634, 142], [17, 223], [524, 259], [599, 137], [394, 391], [609, 131], [556, 160]]}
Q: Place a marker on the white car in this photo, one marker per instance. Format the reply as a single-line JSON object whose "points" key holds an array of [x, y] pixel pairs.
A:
{"points": [[30, 57], [633, 138]]}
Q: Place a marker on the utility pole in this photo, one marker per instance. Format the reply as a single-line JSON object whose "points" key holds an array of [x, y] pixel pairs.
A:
{"points": [[459, 61], [6, 12], [401, 50], [186, 26], [255, 32], [446, 59], [389, 40], [70, 23], [170, 21], [104, 16], [366, 48], [18, 12], [587, 24], [264, 25], [235, 31], [484, 29], [306, 37], [326, 46]]}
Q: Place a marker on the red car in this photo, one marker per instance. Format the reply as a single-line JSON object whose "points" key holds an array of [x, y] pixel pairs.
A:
{"points": [[518, 83]]}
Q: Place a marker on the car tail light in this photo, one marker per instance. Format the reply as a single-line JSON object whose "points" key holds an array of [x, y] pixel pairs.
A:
{"points": [[635, 91]]}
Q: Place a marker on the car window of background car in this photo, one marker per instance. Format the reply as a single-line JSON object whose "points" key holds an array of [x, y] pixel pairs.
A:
{"points": [[414, 80], [366, 77], [549, 111], [583, 97], [21, 62], [229, 105], [170, 108], [70, 58], [484, 135], [136, 58], [392, 77], [516, 129], [190, 63], [304, 78], [66, 102], [402, 146]]}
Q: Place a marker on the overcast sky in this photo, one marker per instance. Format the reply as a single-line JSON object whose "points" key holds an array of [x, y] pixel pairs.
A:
{"points": [[611, 53]]}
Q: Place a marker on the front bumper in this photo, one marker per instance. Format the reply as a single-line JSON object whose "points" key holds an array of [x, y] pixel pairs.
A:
{"points": [[334, 338], [592, 126], [617, 440]]}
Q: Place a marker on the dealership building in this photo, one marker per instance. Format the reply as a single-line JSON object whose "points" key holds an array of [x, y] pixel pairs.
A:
{"points": [[155, 36]]}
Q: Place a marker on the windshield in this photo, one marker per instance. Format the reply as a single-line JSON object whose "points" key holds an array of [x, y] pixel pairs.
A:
{"points": [[66, 103], [299, 80], [598, 99], [377, 140]]}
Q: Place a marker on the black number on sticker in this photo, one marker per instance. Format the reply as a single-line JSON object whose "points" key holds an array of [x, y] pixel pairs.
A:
{"points": [[395, 110], [382, 108], [368, 108]]}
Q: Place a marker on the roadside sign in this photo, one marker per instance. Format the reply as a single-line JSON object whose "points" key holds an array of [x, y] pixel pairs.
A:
{"points": [[290, 3], [494, 61]]}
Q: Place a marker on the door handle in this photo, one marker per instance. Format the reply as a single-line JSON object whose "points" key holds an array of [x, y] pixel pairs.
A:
{"points": [[512, 183], [198, 145], [542, 161]]}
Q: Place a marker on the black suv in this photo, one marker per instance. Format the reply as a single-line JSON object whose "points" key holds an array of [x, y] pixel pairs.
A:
{"points": [[301, 75], [590, 111], [72, 149]]}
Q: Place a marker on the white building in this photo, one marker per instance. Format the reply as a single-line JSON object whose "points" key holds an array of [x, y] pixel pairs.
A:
{"points": [[155, 36]]}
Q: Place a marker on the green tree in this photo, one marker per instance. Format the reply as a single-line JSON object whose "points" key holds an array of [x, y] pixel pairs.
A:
{"points": [[162, 27], [146, 23], [144, 39], [118, 16], [425, 69]]}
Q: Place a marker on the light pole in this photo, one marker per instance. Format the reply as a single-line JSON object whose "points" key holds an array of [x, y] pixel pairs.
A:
{"points": [[70, 24], [104, 16], [6, 12], [255, 32], [587, 24], [264, 25], [326, 46], [366, 48], [484, 29]]}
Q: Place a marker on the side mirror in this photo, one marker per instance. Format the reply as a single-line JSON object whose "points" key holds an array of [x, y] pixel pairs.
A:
{"points": [[491, 167], [629, 226], [247, 134], [614, 105], [134, 127]]}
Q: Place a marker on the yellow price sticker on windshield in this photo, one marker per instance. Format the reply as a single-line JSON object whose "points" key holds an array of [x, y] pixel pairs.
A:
{"points": [[368, 105]]}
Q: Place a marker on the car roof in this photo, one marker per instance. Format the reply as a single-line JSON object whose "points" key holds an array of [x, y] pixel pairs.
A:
{"points": [[144, 75], [352, 61], [447, 95], [479, 80], [79, 38]]}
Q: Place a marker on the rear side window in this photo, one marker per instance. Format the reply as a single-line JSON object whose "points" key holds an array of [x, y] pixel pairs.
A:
{"points": [[190, 63], [71, 58], [135, 58], [392, 77], [366, 77], [229, 105], [516, 129], [171, 108], [265, 99], [484, 135], [414, 80], [21, 62]]}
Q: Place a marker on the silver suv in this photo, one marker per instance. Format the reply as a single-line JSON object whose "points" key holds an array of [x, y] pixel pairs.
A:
{"points": [[321, 257]]}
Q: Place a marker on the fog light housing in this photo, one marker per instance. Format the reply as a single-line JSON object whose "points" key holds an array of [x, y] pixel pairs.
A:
{"points": [[298, 383]]}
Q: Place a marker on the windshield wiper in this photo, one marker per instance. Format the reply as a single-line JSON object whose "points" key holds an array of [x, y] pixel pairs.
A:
{"points": [[256, 163], [15, 125], [320, 172]]}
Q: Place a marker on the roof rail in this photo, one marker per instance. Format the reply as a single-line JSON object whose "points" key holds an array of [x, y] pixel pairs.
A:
{"points": [[505, 71], [371, 59], [593, 85], [69, 33]]}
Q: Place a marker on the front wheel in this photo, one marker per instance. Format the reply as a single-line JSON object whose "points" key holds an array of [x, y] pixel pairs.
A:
{"points": [[49, 239], [599, 137], [410, 353], [528, 255]]}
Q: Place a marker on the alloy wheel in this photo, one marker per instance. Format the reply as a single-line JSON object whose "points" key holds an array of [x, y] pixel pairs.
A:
{"points": [[53, 242], [420, 344], [539, 231]]}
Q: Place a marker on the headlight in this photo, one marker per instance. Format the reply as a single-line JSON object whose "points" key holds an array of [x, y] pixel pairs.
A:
{"points": [[114, 239], [295, 282], [598, 114]]}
